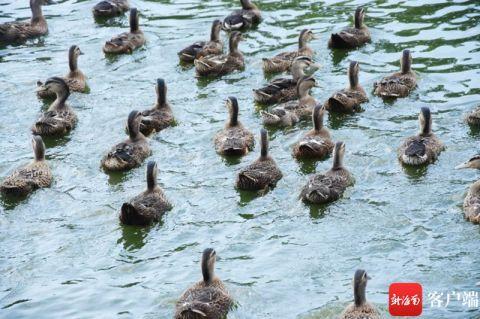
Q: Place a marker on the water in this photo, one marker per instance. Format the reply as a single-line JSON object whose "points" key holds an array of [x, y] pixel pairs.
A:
{"points": [[64, 253]]}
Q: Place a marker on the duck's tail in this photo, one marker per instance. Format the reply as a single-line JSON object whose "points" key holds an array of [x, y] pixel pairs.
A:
{"points": [[129, 215]]}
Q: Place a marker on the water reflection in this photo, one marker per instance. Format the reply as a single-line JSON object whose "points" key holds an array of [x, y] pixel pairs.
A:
{"points": [[133, 237]]}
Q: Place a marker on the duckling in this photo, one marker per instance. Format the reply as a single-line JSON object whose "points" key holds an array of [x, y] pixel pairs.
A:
{"points": [[282, 90], [12, 32], [243, 18], [289, 113], [204, 48], [473, 162], [75, 79], [471, 204], [160, 116], [128, 41], [424, 147], [473, 117], [262, 173], [149, 206], [234, 139], [60, 117], [27, 178], [131, 152], [283, 61], [110, 8], [217, 65], [348, 100], [398, 84], [360, 308], [317, 142], [207, 298], [329, 186], [350, 38]]}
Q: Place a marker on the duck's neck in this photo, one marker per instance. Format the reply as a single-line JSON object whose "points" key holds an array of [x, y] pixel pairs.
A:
{"points": [[162, 97], [358, 20], [264, 146], [60, 100], [303, 91], [406, 64], [133, 23], [207, 272], [248, 5], [297, 71], [215, 34], [317, 120], [302, 42], [359, 295], [337, 161], [72, 61], [233, 116], [426, 128], [151, 179], [39, 152], [134, 131], [353, 78], [233, 46], [37, 14]]}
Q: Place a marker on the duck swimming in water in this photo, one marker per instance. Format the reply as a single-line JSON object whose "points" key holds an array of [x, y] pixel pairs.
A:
{"points": [[208, 298], [283, 61], [28, 178], [350, 38], [160, 116], [473, 117], [360, 308], [110, 8], [127, 42], [399, 84], [75, 79], [244, 18], [471, 204], [424, 147], [204, 48]]}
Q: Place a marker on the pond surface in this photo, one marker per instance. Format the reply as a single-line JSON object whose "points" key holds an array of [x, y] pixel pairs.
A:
{"points": [[64, 254]]}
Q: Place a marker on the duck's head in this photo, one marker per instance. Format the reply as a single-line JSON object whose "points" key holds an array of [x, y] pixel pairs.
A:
{"points": [[474, 162], [406, 61], [306, 35], [161, 89], [73, 53], [38, 147], [232, 105], [338, 154], [317, 116], [58, 86], [235, 38], [248, 5], [360, 280], [133, 124], [216, 28], [359, 16], [134, 17], [151, 175], [209, 257], [425, 120], [304, 85], [353, 71]]}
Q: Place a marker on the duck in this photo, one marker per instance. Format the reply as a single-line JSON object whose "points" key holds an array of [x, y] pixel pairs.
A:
{"points": [[350, 38], [126, 42], [60, 118], [360, 308], [243, 18], [149, 206], [263, 173], [473, 162], [208, 298], [131, 152], [283, 61], [471, 204], [399, 84], [217, 65], [349, 99], [75, 79], [283, 89], [204, 48], [20, 31], [30, 177], [110, 8], [424, 147], [160, 116], [317, 143], [473, 117], [234, 139], [329, 186], [289, 113]]}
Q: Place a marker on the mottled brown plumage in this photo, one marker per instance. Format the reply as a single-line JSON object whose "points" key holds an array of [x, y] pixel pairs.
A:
{"points": [[473, 117], [243, 18], [160, 116], [75, 79], [471, 204], [317, 143], [234, 138], [208, 298], [110, 8], [12, 32], [349, 99], [329, 186], [218, 65], [131, 152], [30, 177], [149, 206], [203, 48], [127, 42], [360, 308], [350, 38], [263, 173], [424, 147], [283, 61], [399, 84]]}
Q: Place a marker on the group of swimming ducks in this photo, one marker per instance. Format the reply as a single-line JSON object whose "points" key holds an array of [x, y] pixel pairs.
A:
{"points": [[291, 96]]}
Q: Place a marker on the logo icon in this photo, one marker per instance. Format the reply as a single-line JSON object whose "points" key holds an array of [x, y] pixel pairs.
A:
{"points": [[405, 299]]}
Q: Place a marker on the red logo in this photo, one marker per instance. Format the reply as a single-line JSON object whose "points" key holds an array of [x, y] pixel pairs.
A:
{"points": [[405, 299]]}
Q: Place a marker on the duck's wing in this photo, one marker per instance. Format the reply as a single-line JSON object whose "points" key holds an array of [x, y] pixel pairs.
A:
{"points": [[396, 85], [349, 38], [206, 302], [189, 53], [259, 175], [324, 188]]}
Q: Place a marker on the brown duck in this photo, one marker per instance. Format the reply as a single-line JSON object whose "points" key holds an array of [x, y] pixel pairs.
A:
{"points": [[473, 117], [243, 18], [204, 48], [149, 206], [12, 32], [127, 42], [471, 204], [350, 38], [329, 186], [28, 178], [317, 143], [131, 152], [160, 116], [234, 139], [360, 308], [349, 99], [110, 8], [399, 84]]}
